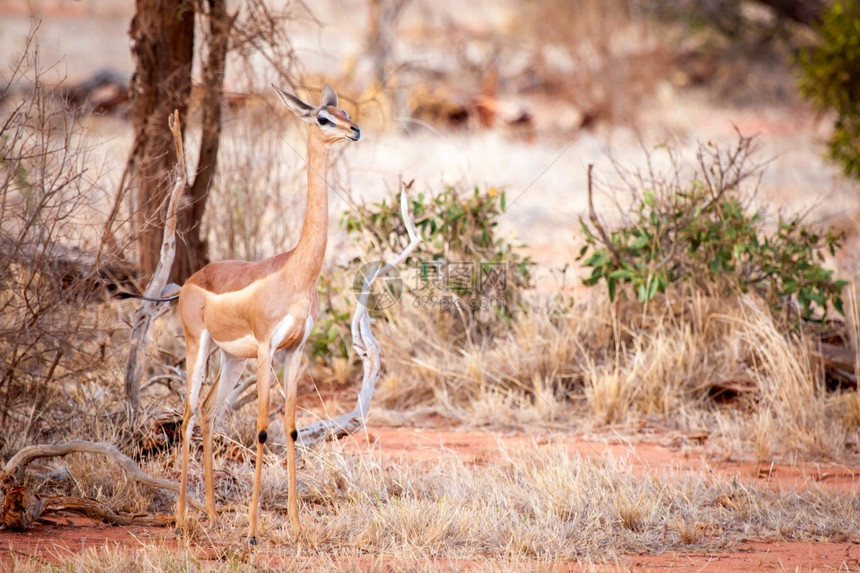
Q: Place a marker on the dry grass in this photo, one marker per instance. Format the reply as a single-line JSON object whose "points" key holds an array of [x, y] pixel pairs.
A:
{"points": [[563, 365], [539, 505], [601, 364], [595, 365]]}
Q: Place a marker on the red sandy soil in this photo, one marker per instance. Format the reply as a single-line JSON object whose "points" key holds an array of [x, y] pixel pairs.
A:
{"points": [[53, 543], [678, 452], [761, 556], [72, 536]]}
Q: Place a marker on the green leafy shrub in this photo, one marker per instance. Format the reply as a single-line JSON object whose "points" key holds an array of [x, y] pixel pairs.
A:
{"points": [[703, 234], [330, 337], [462, 265], [460, 247], [830, 79]]}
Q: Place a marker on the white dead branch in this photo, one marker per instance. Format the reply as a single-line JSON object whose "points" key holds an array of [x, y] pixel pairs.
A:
{"points": [[157, 287], [365, 345]]}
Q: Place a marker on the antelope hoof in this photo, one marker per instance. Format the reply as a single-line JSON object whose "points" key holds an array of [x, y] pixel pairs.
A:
{"points": [[252, 541]]}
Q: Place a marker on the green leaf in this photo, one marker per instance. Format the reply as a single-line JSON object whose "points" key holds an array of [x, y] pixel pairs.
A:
{"points": [[642, 293], [622, 274], [652, 286], [838, 305], [649, 198]]}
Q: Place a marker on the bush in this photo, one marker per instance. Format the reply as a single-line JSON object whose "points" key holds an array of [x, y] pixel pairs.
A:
{"points": [[330, 337], [461, 255], [830, 79], [462, 266], [703, 234], [52, 339]]}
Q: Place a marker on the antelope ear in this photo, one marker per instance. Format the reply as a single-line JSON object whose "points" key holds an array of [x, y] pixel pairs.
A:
{"points": [[298, 107], [328, 97]]}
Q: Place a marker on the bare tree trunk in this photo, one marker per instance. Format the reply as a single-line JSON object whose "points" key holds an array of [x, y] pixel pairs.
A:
{"points": [[383, 16], [162, 46], [193, 252]]}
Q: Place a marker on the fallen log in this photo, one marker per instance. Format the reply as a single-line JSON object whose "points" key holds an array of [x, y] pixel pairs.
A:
{"points": [[22, 507], [98, 511]]}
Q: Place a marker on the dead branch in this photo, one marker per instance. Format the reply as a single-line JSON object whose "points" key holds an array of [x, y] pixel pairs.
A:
{"points": [[22, 508], [98, 511], [365, 345], [148, 311], [20, 460]]}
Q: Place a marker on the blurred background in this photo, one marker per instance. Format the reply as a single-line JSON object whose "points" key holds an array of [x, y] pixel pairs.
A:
{"points": [[520, 95]]}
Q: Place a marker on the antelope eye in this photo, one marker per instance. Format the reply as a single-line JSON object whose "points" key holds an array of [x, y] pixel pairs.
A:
{"points": [[324, 121]]}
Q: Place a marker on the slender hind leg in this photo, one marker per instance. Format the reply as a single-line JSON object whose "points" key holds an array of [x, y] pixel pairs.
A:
{"points": [[294, 361], [210, 409], [264, 369], [196, 357]]}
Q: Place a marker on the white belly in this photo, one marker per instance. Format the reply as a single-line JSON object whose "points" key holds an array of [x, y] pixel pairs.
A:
{"points": [[245, 347]]}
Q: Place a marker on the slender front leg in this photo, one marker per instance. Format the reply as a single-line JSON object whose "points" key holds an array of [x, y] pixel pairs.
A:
{"points": [[196, 357], [264, 369], [210, 409], [294, 361]]}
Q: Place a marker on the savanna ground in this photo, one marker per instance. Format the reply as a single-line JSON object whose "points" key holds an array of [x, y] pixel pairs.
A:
{"points": [[696, 431]]}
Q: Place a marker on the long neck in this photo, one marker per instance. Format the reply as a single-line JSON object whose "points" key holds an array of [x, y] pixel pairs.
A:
{"points": [[312, 243]]}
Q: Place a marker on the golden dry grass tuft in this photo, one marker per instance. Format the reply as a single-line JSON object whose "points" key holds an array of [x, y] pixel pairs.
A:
{"points": [[600, 364]]}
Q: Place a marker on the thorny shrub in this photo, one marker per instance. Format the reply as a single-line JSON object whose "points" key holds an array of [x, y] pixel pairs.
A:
{"points": [[703, 234], [51, 339]]}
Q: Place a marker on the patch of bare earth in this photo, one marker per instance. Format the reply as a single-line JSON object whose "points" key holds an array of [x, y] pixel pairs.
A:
{"points": [[654, 453], [68, 538], [758, 556]]}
